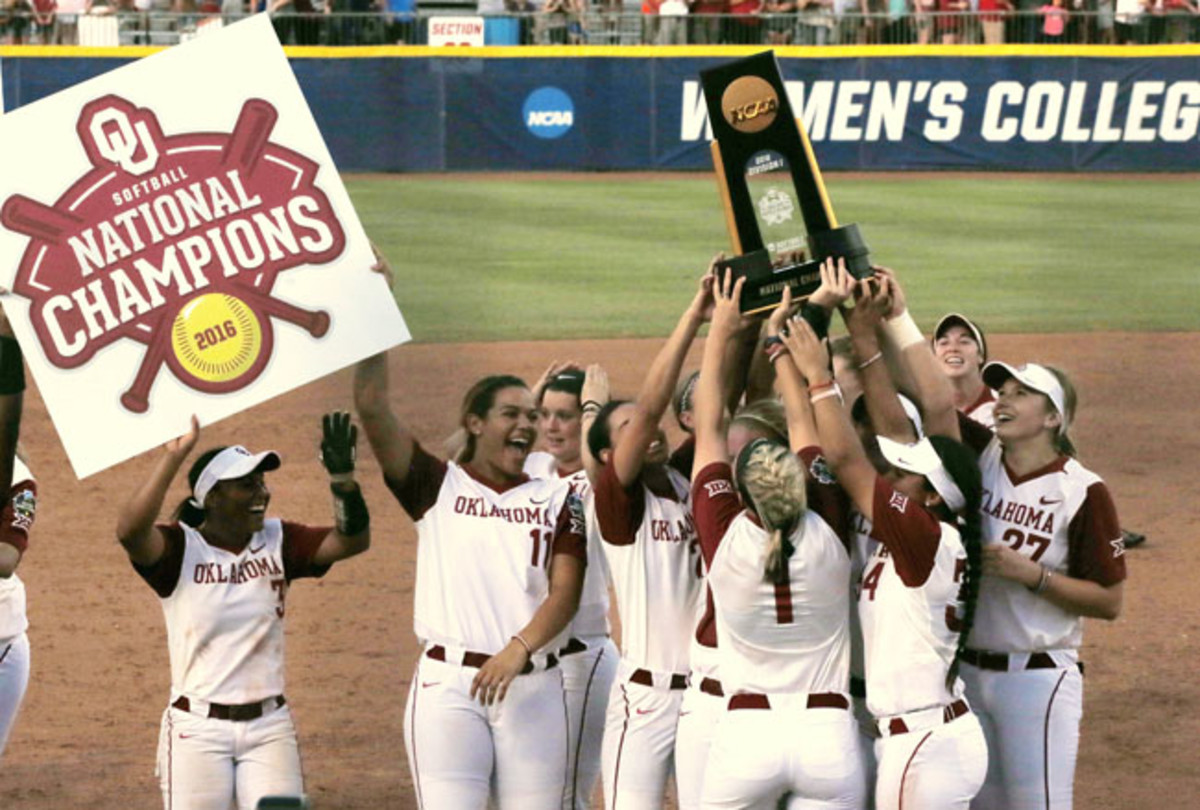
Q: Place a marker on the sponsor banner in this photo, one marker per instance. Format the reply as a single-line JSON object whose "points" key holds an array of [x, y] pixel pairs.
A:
{"points": [[182, 244], [466, 31], [499, 112]]}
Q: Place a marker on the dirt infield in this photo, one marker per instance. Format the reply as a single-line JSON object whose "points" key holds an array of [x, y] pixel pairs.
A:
{"points": [[87, 734]]}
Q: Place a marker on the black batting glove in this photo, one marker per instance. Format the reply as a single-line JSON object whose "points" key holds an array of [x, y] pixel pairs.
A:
{"points": [[338, 441]]}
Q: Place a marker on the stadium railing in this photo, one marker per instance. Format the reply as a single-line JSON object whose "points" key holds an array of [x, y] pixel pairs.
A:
{"points": [[624, 26]]}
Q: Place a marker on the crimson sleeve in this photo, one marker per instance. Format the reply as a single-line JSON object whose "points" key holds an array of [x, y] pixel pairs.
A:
{"points": [[421, 486], [163, 575], [908, 531], [619, 510], [1095, 549], [975, 435], [300, 544], [825, 496], [715, 503], [17, 518], [570, 534]]}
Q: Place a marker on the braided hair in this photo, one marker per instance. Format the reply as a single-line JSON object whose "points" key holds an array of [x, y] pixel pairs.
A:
{"points": [[771, 482], [962, 464]]}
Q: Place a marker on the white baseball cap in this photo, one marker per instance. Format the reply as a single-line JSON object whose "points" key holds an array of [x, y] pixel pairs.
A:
{"points": [[859, 411], [232, 462], [921, 458], [1032, 376]]}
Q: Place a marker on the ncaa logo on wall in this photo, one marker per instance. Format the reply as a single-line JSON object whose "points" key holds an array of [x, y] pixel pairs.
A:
{"points": [[548, 113]]}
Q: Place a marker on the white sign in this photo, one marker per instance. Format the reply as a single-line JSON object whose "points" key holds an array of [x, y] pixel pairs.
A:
{"points": [[456, 31], [180, 242]]}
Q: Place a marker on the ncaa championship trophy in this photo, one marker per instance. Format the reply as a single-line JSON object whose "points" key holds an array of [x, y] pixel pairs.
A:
{"points": [[771, 188]]}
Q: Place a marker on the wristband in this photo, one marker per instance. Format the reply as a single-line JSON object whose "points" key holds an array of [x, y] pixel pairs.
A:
{"points": [[872, 359], [1043, 581], [520, 640], [815, 389], [903, 330], [833, 392], [12, 367], [342, 478], [590, 406], [350, 511]]}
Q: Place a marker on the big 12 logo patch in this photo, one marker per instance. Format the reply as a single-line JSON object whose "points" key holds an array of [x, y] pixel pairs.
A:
{"points": [[174, 242]]}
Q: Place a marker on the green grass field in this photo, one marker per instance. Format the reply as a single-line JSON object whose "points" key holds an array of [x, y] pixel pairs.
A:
{"points": [[483, 258]]}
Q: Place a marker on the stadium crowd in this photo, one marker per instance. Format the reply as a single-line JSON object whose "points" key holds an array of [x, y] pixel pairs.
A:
{"points": [[617, 22]]}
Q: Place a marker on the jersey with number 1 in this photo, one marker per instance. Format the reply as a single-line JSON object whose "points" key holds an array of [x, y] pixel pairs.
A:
{"points": [[592, 617], [909, 606], [777, 637], [653, 557], [484, 551], [1061, 516]]}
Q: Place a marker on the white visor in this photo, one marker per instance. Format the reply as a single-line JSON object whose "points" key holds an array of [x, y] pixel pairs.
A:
{"points": [[1032, 376], [922, 459], [910, 410], [232, 462]]}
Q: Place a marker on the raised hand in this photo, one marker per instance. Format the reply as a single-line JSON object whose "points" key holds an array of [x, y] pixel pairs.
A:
{"points": [[183, 445], [837, 285], [807, 350], [727, 314], [339, 440], [703, 304]]}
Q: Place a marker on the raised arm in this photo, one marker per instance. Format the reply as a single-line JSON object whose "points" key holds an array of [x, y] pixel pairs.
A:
{"points": [[802, 431], [390, 440], [135, 524], [933, 390], [352, 521], [629, 454], [708, 409], [839, 442]]}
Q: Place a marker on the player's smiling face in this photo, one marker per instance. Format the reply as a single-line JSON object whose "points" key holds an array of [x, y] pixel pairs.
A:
{"points": [[560, 427], [1021, 412], [957, 352], [240, 504], [505, 435]]}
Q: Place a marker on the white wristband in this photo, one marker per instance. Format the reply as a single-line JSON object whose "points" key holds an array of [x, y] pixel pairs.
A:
{"points": [[903, 331]]}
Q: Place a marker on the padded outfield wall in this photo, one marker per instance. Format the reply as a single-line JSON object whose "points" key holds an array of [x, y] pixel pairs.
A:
{"points": [[1022, 108]]}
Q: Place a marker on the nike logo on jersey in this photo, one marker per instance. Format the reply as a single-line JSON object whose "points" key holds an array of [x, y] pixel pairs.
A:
{"points": [[644, 711], [1044, 501], [543, 500], [186, 736], [427, 684], [260, 548]]}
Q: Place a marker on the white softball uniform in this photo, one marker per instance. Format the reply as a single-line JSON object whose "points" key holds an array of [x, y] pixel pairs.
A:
{"points": [[15, 522], [589, 661], [483, 571], [784, 653], [227, 733], [862, 548], [653, 556], [931, 752], [703, 706], [981, 410], [1022, 669]]}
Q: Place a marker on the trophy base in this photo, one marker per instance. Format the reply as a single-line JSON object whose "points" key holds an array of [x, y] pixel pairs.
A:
{"points": [[845, 242], [765, 284]]}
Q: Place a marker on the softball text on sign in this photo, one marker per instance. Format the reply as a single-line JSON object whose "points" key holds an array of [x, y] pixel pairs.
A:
{"points": [[169, 230]]}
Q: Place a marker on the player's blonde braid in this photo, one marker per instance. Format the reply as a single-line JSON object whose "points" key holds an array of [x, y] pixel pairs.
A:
{"points": [[771, 480], [1062, 442]]}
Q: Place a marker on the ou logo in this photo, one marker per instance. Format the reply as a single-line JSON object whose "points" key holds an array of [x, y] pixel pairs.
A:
{"points": [[118, 139]]}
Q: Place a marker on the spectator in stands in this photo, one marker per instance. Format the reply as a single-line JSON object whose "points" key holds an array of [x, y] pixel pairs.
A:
{"points": [[899, 28], [401, 21], [1054, 21], [551, 22], [847, 20], [814, 24], [948, 24], [1104, 33], [994, 12], [672, 22], [295, 17], [923, 16], [1179, 15], [704, 21], [780, 21], [744, 23], [650, 21], [66, 29], [873, 23]]}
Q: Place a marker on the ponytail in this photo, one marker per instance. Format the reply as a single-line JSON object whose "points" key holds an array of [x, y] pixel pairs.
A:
{"points": [[771, 482], [188, 512]]}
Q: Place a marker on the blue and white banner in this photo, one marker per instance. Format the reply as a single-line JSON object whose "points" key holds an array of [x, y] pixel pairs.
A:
{"points": [[512, 109]]}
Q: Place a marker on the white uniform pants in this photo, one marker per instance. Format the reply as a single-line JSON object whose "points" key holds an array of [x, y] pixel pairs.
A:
{"points": [[587, 681], [460, 751], [698, 718], [937, 768], [867, 735], [639, 745], [205, 763], [760, 755], [1030, 719], [14, 678]]}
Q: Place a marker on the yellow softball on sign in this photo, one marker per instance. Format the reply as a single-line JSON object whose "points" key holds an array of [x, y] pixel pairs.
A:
{"points": [[216, 337]]}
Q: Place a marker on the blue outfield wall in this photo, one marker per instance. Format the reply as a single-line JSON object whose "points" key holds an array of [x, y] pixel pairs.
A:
{"points": [[1006, 108]]}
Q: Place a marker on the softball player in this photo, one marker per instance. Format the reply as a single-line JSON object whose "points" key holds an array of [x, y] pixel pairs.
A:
{"points": [[589, 660], [641, 508], [500, 566], [961, 351], [222, 570], [1053, 554], [15, 522], [917, 593], [778, 567]]}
